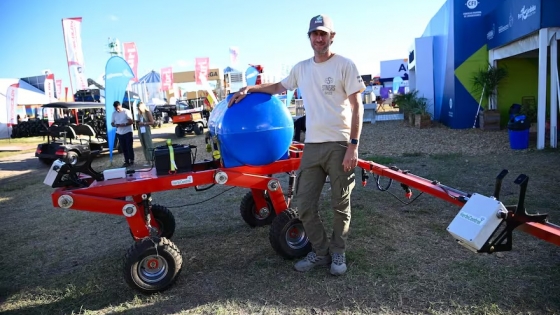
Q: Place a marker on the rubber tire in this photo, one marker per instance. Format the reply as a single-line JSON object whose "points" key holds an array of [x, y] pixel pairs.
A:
{"points": [[165, 219], [248, 209], [166, 250], [198, 129], [277, 235], [179, 131], [72, 158]]}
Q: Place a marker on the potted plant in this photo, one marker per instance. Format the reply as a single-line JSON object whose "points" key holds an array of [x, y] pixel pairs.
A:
{"points": [[406, 103], [485, 83], [422, 118]]}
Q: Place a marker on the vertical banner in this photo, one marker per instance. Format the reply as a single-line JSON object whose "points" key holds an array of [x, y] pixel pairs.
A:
{"points": [[131, 56], [49, 93], [72, 29], [166, 79], [201, 69], [234, 55], [11, 104], [117, 76], [58, 86], [251, 76]]}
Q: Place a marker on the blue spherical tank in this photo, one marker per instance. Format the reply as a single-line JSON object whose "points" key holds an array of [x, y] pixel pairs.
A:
{"points": [[256, 131]]}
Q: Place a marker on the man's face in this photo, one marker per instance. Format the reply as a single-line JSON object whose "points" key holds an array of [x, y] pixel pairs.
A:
{"points": [[320, 41], [118, 108]]}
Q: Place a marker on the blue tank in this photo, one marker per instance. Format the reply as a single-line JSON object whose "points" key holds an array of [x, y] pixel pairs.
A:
{"points": [[256, 131]]}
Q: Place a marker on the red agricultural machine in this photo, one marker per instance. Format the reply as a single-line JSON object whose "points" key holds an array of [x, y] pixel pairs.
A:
{"points": [[153, 262]]}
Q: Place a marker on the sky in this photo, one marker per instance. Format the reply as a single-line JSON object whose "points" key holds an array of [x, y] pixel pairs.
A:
{"points": [[175, 32]]}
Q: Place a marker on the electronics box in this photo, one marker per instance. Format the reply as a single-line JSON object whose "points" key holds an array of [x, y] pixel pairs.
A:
{"points": [[183, 159]]}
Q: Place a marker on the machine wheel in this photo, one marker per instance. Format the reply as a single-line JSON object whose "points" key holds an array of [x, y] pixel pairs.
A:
{"points": [[72, 158], [254, 217], [190, 128], [165, 219], [179, 131], [198, 129], [152, 265], [287, 235]]}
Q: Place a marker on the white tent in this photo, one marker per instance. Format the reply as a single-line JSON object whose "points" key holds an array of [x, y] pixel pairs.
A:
{"points": [[540, 42], [26, 95]]}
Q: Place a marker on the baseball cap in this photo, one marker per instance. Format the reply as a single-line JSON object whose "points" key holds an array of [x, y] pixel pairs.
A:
{"points": [[321, 22]]}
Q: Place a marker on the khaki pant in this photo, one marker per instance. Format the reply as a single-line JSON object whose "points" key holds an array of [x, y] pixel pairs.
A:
{"points": [[318, 161]]}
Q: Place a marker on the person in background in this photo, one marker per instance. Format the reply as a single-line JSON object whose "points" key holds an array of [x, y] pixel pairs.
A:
{"points": [[145, 121], [331, 88], [122, 120]]}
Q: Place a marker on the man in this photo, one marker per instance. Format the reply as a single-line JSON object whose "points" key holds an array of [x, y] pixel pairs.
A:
{"points": [[331, 90], [122, 119]]}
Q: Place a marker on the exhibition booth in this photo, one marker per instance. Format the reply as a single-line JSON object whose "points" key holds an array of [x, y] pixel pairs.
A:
{"points": [[466, 36]]}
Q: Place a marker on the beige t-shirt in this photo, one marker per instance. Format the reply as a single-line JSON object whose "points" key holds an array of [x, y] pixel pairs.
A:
{"points": [[325, 88]]}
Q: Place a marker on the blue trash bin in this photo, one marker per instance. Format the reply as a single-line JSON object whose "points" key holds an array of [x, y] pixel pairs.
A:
{"points": [[518, 130]]}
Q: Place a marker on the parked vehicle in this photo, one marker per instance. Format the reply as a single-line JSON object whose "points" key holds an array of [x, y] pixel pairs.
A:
{"points": [[79, 128]]}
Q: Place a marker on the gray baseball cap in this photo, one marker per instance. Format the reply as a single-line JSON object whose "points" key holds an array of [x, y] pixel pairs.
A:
{"points": [[321, 22]]}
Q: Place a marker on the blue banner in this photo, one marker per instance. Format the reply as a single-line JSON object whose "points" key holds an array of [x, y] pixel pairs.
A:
{"points": [[289, 96], [117, 75], [511, 20], [251, 76], [550, 11]]}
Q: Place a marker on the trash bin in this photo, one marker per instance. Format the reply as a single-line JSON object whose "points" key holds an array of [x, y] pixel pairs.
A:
{"points": [[518, 130]]}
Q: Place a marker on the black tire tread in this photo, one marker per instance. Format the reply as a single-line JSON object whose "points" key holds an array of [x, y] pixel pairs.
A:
{"points": [[164, 246]]}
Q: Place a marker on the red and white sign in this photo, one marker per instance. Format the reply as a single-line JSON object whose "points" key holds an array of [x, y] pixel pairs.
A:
{"points": [[131, 56], [58, 86], [201, 68], [11, 104], [49, 92], [166, 79], [72, 29]]}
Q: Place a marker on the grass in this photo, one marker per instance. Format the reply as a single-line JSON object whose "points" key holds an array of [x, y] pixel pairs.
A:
{"points": [[401, 259]]}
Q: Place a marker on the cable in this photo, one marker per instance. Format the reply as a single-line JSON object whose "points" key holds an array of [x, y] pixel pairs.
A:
{"points": [[386, 189], [197, 203]]}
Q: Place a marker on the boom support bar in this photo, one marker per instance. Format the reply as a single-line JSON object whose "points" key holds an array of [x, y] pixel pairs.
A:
{"points": [[546, 231]]}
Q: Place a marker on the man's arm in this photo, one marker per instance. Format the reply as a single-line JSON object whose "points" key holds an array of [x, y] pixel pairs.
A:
{"points": [[269, 88], [357, 115]]}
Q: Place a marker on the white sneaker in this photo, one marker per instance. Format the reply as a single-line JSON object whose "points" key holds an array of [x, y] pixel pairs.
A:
{"points": [[310, 261], [338, 265]]}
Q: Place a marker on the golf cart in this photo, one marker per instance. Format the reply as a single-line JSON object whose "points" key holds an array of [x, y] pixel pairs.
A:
{"points": [[189, 116], [78, 129]]}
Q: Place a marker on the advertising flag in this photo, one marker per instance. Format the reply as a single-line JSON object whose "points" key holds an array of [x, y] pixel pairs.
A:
{"points": [[72, 29], [234, 55], [131, 56], [201, 69], [11, 104], [117, 75], [58, 86], [49, 93], [166, 79]]}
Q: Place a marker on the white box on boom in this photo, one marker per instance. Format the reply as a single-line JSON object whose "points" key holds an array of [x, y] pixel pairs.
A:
{"points": [[476, 222]]}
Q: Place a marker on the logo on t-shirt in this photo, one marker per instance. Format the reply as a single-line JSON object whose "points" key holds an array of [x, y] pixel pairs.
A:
{"points": [[360, 80], [328, 88]]}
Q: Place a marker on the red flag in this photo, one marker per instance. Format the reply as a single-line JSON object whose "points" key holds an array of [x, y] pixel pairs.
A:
{"points": [[166, 79], [131, 56], [201, 69]]}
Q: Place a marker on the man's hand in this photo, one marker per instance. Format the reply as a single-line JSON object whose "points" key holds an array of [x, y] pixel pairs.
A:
{"points": [[238, 96], [350, 158]]}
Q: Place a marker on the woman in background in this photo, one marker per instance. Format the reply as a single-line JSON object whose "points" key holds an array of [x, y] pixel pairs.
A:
{"points": [[145, 120]]}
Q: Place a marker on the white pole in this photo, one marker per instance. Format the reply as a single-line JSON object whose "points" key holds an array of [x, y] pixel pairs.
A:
{"points": [[542, 80], [553, 91]]}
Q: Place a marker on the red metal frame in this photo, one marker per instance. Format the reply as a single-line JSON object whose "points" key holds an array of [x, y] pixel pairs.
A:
{"points": [[107, 196]]}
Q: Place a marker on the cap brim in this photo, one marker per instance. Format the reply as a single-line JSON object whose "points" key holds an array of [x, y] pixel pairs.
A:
{"points": [[320, 28]]}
